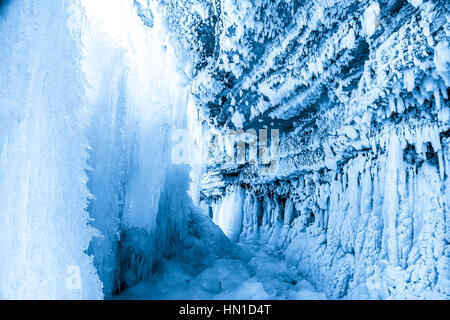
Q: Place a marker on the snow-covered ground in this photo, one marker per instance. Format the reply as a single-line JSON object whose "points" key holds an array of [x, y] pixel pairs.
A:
{"points": [[209, 266], [265, 276]]}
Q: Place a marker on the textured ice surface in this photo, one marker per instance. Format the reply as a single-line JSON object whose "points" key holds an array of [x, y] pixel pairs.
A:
{"points": [[137, 99], [44, 228], [88, 100]]}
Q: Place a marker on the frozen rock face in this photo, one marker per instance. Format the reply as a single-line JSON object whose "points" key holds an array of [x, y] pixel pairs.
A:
{"points": [[359, 93]]}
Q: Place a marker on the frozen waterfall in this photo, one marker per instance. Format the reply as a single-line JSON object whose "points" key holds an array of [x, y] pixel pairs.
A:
{"points": [[88, 101]]}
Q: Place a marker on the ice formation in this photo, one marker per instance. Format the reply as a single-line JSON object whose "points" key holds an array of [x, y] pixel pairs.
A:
{"points": [[44, 229], [88, 104], [350, 97], [359, 92]]}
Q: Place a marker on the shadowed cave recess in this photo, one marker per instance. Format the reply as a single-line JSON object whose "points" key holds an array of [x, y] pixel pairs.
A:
{"points": [[224, 149]]}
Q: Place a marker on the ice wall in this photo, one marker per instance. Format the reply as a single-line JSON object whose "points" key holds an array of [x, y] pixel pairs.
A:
{"points": [[107, 154], [90, 93], [44, 229], [138, 97]]}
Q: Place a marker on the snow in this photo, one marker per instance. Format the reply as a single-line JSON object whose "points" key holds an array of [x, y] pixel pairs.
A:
{"points": [[415, 3], [442, 60], [238, 120], [349, 40], [250, 273], [371, 19]]}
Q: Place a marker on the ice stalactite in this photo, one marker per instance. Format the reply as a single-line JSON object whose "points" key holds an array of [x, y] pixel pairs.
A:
{"points": [[107, 160], [228, 214], [393, 186], [376, 229]]}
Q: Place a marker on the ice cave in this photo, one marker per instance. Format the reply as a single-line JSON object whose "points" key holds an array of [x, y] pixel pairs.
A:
{"points": [[224, 149]]}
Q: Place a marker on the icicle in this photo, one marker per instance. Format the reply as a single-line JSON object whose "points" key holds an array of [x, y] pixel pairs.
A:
{"points": [[392, 106], [419, 142], [409, 80], [400, 104], [373, 144], [288, 212], [229, 215], [434, 137], [441, 164], [391, 197], [437, 96]]}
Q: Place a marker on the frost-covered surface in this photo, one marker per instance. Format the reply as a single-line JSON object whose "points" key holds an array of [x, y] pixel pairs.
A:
{"points": [[359, 91]]}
